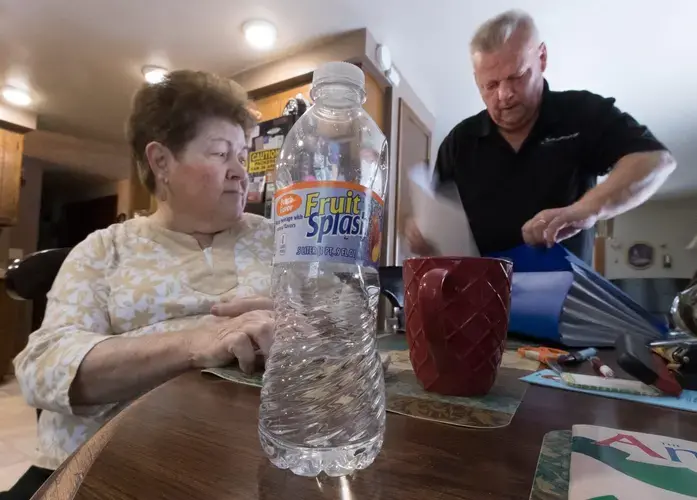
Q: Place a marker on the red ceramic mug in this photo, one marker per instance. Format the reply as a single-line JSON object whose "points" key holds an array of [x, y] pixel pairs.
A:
{"points": [[457, 317]]}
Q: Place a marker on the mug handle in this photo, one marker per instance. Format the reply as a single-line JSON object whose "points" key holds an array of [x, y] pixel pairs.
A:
{"points": [[430, 298]]}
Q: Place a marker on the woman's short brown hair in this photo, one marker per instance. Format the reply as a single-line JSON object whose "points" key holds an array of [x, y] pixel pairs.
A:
{"points": [[171, 112]]}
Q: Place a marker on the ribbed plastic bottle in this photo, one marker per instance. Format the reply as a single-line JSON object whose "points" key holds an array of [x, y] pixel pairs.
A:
{"points": [[323, 395]]}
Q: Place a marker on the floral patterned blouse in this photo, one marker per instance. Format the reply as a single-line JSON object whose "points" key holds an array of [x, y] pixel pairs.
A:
{"points": [[134, 278]]}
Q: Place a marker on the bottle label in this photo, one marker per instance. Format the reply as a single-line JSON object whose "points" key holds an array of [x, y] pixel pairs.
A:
{"points": [[328, 221]]}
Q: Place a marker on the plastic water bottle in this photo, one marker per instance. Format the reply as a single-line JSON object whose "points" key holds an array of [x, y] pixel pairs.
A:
{"points": [[323, 395]]}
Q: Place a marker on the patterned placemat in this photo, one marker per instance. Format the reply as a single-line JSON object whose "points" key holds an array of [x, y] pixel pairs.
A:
{"points": [[552, 475], [406, 396]]}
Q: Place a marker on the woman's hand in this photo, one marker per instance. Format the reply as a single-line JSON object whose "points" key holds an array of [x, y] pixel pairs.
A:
{"points": [[225, 339], [243, 331], [237, 307]]}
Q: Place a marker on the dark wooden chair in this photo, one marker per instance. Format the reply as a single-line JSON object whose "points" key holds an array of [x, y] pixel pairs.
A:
{"points": [[31, 278]]}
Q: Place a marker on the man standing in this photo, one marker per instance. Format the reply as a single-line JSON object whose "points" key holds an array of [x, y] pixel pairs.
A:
{"points": [[526, 167]]}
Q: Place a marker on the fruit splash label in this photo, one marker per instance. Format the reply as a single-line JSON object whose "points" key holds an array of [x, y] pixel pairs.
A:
{"points": [[328, 221]]}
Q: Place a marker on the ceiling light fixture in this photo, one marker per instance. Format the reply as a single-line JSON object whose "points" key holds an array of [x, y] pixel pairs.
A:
{"points": [[260, 34], [16, 96], [154, 74], [384, 57]]}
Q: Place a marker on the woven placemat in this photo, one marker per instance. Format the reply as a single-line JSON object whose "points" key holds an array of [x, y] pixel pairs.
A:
{"points": [[552, 474], [406, 396]]}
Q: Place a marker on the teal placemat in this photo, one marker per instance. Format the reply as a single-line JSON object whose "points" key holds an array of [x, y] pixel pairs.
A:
{"points": [[552, 475]]}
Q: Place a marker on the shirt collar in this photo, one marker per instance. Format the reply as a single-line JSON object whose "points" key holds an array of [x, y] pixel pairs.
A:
{"points": [[549, 113]]}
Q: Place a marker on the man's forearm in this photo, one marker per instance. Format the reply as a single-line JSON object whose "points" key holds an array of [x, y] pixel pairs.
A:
{"points": [[635, 178], [123, 368]]}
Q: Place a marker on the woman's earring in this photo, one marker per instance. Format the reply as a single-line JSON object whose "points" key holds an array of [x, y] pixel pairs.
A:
{"points": [[162, 192]]}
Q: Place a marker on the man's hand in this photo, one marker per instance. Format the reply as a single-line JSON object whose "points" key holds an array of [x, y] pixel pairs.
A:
{"points": [[417, 243], [557, 224]]}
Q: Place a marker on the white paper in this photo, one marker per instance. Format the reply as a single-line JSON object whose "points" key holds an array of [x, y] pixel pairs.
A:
{"points": [[441, 219]]}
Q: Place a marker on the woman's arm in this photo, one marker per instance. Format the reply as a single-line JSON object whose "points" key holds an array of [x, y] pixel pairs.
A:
{"points": [[73, 363], [123, 368], [76, 320]]}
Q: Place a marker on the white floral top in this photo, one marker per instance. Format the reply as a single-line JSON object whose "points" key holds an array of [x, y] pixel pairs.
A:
{"points": [[133, 278]]}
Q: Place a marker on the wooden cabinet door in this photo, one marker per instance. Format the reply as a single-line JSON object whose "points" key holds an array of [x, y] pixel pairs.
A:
{"points": [[269, 107], [11, 147], [375, 101], [413, 148], [272, 106]]}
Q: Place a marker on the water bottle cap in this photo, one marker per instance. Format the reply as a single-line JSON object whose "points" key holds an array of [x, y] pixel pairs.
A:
{"points": [[341, 72]]}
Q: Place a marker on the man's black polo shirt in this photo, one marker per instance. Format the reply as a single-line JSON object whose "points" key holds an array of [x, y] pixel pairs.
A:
{"points": [[577, 137]]}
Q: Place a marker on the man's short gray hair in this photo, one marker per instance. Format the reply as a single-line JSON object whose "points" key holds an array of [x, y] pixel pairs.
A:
{"points": [[495, 32]]}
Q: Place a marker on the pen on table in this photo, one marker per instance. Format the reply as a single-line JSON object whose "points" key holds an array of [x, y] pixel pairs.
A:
{"points": [[578, 356], [601, 368]]}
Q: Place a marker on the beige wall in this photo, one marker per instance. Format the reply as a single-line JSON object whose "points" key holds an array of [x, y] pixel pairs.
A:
{"points": [[672, 223], [95, 158]]}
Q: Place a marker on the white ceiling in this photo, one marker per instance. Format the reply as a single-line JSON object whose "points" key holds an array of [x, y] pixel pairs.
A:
{"points": [[83, 57]]}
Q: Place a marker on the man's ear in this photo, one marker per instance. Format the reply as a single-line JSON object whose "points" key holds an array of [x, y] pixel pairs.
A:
{"points": [[543, 56], [158, 157]]}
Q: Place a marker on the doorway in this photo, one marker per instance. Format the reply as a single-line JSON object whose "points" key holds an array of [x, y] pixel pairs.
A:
{"points": [[81, 218], [73, 205], [414, 148]]}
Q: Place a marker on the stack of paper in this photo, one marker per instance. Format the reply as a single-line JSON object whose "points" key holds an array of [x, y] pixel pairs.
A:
{"points": [[441, 219]]}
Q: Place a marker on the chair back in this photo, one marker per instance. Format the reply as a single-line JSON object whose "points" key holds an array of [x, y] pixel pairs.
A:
{"points": [[32, 277]]}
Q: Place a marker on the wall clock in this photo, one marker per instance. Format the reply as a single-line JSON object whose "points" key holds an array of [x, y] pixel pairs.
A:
{"points": [[640, 256]]}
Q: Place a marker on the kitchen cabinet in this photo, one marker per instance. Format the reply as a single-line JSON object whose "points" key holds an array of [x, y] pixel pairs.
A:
{"points": [[11, 147], [272, 106]]}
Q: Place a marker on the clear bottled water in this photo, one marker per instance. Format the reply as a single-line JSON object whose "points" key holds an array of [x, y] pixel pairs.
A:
{"points": [[323, 396]]}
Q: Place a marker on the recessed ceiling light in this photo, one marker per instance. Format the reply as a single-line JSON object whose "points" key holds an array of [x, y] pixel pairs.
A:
{"points": [[260, 34], [154, 74], [16, 96]]}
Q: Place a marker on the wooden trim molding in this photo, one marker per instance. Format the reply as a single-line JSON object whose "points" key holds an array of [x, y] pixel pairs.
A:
{"points": [[279, 87], [405, 113], [17, 120]]}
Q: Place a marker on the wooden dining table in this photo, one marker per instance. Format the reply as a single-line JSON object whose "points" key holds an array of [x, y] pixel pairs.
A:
{"points": [[195, 437]]}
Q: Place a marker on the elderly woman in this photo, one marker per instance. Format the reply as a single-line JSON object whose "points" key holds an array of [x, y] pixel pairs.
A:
{"points": [[146, 300]]}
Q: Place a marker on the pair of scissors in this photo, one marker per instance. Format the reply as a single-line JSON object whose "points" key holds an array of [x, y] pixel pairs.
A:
{"points": [[541, 354]]}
